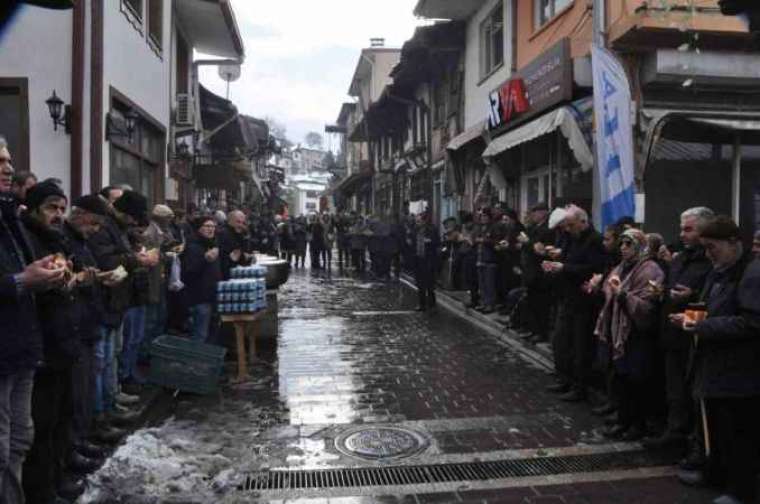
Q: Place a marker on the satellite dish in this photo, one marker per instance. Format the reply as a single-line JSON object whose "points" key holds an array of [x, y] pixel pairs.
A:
{"points": [[229, 73]]}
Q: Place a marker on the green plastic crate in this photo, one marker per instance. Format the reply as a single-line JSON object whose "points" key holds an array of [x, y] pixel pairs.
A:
{"points": [[186, 365]]}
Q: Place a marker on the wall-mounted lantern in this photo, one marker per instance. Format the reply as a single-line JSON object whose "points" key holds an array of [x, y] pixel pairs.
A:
{"points": [[60, 113]]}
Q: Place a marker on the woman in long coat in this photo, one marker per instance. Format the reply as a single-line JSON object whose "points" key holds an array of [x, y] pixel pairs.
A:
{"points": [[627, 326]]}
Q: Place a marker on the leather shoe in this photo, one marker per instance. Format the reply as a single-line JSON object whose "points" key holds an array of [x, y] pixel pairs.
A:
{"points": [[123, 418], [71, 489], [108, 434], [611, 419], [603, 410], [80, 464], [90, 450], [691, 477], [126, 399], [574, 395], [694, 460], [558, 388]]}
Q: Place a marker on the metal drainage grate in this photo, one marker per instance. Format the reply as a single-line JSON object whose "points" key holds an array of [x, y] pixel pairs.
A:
{"points": [[446, 473]]}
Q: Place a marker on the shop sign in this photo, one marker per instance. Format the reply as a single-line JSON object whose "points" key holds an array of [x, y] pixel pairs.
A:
{"points": [[540, 85]]}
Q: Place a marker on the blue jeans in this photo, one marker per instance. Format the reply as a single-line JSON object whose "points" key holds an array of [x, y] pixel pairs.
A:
{"points": [[16, 432], [200, 321], [156, 319], [106, 380], [134, 332]]}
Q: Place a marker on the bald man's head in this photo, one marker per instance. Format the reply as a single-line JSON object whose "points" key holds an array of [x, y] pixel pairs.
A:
{"points": [[237, 221]]}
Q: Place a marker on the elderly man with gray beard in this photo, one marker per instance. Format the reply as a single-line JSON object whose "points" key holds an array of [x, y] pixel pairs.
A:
{"points": [[21, 276]]}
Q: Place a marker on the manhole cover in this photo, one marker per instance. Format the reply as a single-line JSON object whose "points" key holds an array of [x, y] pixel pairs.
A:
{"points": [[381, 443]]}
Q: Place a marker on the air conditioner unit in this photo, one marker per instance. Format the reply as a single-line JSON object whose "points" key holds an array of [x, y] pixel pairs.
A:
{"points": [[184, 110]]}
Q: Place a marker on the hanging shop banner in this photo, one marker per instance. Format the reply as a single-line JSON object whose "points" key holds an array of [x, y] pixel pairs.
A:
{"points": [[540, 85], [614, 137]]}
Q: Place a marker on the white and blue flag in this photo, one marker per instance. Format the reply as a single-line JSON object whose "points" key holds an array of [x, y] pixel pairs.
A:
{"points": [[614, 137]]}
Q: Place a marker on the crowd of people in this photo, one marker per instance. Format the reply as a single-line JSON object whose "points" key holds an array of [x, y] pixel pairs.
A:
{"points": [[667, 332], [85, 286]]}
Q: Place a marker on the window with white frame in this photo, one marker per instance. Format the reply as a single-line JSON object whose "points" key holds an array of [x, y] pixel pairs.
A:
{"points": [[492, 41], [546, 10]]}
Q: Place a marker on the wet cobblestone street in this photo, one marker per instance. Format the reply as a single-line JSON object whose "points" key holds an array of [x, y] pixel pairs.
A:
{"points": [[353, 354]]}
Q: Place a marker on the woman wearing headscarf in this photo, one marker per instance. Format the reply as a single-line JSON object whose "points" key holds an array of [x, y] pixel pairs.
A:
{"points": [[201, 271], [626, 325]]}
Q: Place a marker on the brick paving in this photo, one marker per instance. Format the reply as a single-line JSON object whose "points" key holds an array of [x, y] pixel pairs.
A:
{"points": [[351, 353]]}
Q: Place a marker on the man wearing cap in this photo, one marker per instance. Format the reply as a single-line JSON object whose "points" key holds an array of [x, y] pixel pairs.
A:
{"points": [[538, 300], [159, 237], [20, 277], [112, 249], [724, 370], [85, 219], [52, 400]]}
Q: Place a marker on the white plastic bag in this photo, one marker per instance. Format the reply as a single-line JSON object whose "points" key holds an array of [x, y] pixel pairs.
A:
{"points": [[175, 275]]}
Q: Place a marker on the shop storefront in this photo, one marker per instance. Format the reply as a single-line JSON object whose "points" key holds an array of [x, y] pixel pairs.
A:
{"points": [[540, 139], [699, 147]]}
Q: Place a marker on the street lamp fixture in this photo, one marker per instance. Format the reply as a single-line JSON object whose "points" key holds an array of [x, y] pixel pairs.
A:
{"points": [[60, 113], [115, 130]]}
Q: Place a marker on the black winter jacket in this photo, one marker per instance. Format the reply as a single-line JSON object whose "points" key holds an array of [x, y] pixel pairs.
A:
{"points": [[689, 268], [582, 256], [200, 276], [88, 309], [230, 240], [54, 307], [111, 249], [20, 334], [727, 355]]}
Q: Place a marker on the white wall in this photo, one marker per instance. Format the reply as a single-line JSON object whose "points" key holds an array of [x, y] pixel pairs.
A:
{"points": [[37, 45], [476, 92], [381, 70], [131, 66]]}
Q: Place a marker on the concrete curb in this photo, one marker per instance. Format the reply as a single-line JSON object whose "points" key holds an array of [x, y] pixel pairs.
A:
{"points": [[491, 327]]}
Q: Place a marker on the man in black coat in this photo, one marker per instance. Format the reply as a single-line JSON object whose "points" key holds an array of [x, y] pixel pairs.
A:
{"points": [[686, 276], [85, 219], [20, 277], [112, 249], [427, 247], [234, 243], [583, 255], [725, 371], [538, 300], [52, 397]]}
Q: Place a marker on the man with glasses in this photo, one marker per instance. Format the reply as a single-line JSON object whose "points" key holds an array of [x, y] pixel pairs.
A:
{"points": [[20, 277]]}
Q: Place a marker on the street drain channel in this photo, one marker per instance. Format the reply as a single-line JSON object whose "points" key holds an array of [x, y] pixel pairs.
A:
{"points": [[448, 473]]}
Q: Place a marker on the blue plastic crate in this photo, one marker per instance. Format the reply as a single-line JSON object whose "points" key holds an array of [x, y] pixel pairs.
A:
{"points": [[186, 365]]}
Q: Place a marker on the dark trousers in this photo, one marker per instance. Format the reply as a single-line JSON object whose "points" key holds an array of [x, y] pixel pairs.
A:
{"points": [[52, 412], [83, 392], [425, 279], [315, 252], [359, 259], [680, 405], [539, 305], [633, 397], [344, 257], [327, 257], [735, 440], [573, 342]]}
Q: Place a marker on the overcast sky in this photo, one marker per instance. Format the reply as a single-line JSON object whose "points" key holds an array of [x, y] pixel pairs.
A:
{"points": [[301, 55]]}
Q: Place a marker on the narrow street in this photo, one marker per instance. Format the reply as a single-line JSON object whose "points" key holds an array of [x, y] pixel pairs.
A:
{"points": [[433, 409]]}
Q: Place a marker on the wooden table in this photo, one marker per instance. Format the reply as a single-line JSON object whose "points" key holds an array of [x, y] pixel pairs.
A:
{"points": [[245, 325]]}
